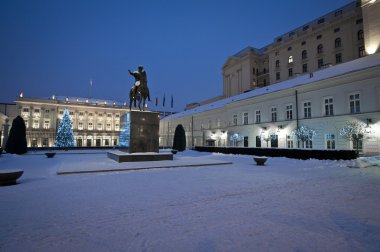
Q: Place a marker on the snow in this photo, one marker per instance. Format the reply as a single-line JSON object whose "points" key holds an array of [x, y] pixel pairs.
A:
{"points": [[330, 72], [286, 205]]}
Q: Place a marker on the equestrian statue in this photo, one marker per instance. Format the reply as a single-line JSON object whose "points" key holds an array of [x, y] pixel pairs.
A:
{"points": [[139, 91]]}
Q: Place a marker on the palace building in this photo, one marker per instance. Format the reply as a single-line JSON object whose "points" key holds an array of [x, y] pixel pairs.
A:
{"points": [[321, 75], [95, 122]]}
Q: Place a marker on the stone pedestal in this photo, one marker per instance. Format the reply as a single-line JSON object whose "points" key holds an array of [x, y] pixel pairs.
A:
{"points": [[140, 131]]}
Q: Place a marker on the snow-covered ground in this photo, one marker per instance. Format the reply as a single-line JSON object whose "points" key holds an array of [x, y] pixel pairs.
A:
{"points": [[287, 205]]}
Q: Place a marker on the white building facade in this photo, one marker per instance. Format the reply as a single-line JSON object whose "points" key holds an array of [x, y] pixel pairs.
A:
{"points": [[323, 101]]}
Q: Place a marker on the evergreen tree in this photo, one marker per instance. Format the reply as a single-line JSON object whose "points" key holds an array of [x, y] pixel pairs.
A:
{"points": [[16, 143], [179, 142], [65, 134]]}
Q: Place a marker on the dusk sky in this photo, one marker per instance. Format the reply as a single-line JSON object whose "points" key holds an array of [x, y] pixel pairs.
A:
{"points": [[56, 47]]}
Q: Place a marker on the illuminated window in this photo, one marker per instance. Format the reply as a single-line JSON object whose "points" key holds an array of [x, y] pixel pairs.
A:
{"points": [[289, 142], [36, 124], [330, 141], [46, 124], [290, 59], [108, 126], [80, 125]]}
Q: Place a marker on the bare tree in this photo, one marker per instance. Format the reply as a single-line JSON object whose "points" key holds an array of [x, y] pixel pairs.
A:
{"points": [[354, 131]]}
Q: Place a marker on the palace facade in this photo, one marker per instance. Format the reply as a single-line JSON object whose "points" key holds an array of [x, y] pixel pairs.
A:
{"points": [[95, 122]]}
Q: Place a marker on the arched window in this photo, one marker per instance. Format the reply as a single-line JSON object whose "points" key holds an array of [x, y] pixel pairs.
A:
{"points": [[277, 63], [320, 48], [338, 42], [290, 60], [304, 54], [360, 35]]}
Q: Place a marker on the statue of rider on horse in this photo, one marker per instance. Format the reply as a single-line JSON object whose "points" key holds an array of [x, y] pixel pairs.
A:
{"points": [[139, 90]]}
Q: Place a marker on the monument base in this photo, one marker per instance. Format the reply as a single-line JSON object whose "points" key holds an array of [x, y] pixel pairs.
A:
{"points": [[121, 157]]}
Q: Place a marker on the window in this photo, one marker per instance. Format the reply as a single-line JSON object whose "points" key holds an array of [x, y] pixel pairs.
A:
{"points": [[46, 124], [308, 144], [290, 59], [258, 141], [25, 110], [319, 36], [338, 58], [320, 63], [278, 75], [303, 43], [90, 114], [47, 111], [290, 72], [109, 115], [329, 106], [274, 141], [80, 113], [258, 116], [108, 126], [79, 142], [209, 124], [360, 35], [100, 126], [304, 68], [320, 48], [279, 39], [264, 82], [338, 42], [80, 125], [90, 126], [291, 34], [71, 113], [26, 123], [289, 142], [36, 124], [307, 109], [117, 126], [304, 54], [359, 21], [245, 118], [336, 30], [338, 13], [274, 114], [305, 28], [354, 103], [330, 141], [276, 53], [117, 115], [45, 142], [106, 142], [245, 141], [36, 110], [277, 63], [289, 48], [321, 21], [361, 51], [289, 112]]}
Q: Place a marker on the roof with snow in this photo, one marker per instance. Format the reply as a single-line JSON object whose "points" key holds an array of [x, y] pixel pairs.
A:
{"points": [[334, 71]]}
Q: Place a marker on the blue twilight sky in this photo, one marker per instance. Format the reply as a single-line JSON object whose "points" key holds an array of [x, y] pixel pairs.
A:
{"points": [[55, 47]]}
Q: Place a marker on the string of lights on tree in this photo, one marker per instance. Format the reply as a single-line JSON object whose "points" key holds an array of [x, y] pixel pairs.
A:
{"points": [[65, 134]]}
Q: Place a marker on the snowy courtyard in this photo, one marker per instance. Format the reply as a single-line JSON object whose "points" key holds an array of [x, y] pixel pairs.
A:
{"points": [[286, 205]]}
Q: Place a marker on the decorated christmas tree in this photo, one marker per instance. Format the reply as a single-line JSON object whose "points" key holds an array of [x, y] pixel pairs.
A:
{"points": [[65, 134]]}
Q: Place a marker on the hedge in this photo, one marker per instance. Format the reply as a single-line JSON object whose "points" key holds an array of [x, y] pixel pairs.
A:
{"points": [[278, 152]]}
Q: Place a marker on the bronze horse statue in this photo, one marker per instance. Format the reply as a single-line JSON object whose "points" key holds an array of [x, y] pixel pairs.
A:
{"points": [[139, 90], [140, 94]]}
